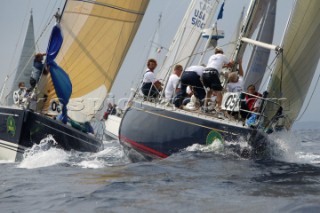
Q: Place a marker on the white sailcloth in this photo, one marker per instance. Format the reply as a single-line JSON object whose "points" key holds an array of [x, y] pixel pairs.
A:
{"points": [[25, 62], [259, 58], [301, 51], [198, 17]]}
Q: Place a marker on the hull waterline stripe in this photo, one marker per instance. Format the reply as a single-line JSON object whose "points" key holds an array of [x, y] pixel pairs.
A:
{"points": [[12, 148], [188, 122], [142, 147], [3, 113]]}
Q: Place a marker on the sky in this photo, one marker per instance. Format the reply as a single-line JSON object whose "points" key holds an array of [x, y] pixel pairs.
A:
{"points": [[14, 16]]}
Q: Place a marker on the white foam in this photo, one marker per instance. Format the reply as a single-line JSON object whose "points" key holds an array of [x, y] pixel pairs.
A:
{"points": [[216, 146], [44, 159], [112, 154], [43, 155], [288, 147]]}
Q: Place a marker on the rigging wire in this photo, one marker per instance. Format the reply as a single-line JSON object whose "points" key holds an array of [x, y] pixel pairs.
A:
{"points": [[11, 70], [49, 21], [13, 59]]}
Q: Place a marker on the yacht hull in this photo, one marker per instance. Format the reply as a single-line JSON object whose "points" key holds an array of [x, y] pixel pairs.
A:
{"points": [[149, 132], [21, 129]]}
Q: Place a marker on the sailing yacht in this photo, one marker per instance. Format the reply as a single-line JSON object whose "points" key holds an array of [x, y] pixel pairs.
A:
{"points": [[86, 49], [161, 129]]}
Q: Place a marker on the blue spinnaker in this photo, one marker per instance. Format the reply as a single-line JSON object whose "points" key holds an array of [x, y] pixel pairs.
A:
{"points": [[55, 43], [60, 78]]}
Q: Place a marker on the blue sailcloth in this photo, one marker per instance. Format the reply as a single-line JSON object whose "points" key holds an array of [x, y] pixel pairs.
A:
{"points": [[221, 12], [60, 78]]}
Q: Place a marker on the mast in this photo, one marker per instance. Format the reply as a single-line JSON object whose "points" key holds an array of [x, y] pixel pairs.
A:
{"points": [[212, 33], [59, 15], [149, 55]]}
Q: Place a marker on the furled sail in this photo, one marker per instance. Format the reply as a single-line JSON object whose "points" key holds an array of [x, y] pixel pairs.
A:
{"points": [[25, 62], [97, 36], [260, 56], [198, 17], [301, 51]]}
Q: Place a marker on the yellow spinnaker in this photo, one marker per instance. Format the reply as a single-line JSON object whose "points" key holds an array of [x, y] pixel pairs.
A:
{"points": [[97, 36]]}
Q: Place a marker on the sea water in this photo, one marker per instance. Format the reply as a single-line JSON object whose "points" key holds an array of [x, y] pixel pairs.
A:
{"points": [[198, 179]]}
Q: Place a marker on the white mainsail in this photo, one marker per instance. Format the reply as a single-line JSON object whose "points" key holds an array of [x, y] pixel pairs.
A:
{"points": [[301, 51], [259, 58], [198, 17], [25, 64]]}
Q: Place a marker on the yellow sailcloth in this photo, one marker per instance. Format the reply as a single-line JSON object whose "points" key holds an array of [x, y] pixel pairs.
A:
{"points": [[97, 35]]}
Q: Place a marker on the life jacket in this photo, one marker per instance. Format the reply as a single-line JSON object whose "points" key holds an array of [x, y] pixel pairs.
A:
{"points": [[105, 115], [251, 100]]}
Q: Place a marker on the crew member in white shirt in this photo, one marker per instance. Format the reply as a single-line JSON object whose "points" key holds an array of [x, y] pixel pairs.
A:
{"points": [[210, 77], [150, 86], [173, 85], [235, 80]]}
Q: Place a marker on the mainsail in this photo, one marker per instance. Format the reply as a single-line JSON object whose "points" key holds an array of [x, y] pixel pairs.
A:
{"points": [[97, 36], [301, 51], [198, 17], [25, 62]]}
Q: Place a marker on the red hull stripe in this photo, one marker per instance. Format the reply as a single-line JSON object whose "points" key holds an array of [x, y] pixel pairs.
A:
{"points": [[142, 147]]}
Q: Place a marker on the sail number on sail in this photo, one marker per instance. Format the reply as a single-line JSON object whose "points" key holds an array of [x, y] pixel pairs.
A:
{"points": [[200, 14]]}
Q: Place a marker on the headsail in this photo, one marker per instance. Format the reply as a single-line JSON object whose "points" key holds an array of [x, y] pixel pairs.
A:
{"points": [[301, 51], [97, 36], [260, 56], [25, 62]]}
